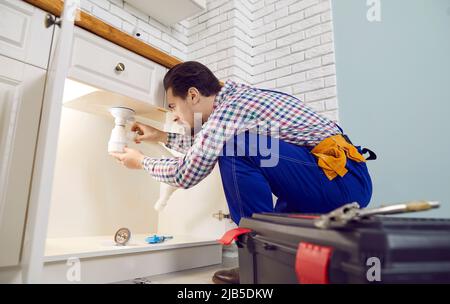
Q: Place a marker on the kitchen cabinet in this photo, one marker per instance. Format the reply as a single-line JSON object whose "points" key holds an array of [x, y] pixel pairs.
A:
{"points": [[62, 186], [21, 92], [25, 44], [23, 33], [169, 12], [92, 196], [120, 78], [109, 67]]}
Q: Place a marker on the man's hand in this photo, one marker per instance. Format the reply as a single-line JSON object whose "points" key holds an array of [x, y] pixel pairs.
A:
{"points": [[148, 133], [132, 159]]}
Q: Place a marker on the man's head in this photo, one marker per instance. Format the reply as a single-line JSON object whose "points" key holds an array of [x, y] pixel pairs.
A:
{"points": [[190, 88]]}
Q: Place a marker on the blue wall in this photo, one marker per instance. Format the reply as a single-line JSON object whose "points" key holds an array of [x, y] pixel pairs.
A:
{"points": [[394, 95]]}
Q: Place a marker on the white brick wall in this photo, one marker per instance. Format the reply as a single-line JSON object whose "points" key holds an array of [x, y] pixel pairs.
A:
{"points": [[285, 45], [222, 38]]}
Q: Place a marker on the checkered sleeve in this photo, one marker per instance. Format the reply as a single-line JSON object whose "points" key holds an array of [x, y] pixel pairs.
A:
{"points": [[199, 160], [179, 142]]}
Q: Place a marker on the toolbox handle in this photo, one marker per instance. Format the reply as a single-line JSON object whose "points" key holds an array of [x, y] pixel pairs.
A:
{"points": [[270, 245]]}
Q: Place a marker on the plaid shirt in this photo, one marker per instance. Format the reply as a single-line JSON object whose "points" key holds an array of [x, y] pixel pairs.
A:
{"points": [[238, 108]]}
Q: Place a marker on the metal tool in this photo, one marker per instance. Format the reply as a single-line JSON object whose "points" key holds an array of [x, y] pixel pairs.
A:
{"points": [[221, 215], [352, 212], [155, 239], [122, 236]]}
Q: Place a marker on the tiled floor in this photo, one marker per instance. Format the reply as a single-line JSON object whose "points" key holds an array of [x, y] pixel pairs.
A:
{"points": [[201, 275]]}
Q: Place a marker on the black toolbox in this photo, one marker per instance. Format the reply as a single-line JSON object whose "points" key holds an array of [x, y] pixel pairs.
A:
{"points": [[289, 249]]}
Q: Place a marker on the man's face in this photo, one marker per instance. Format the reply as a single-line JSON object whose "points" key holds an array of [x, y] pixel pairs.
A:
{"points": [[183, 109]]}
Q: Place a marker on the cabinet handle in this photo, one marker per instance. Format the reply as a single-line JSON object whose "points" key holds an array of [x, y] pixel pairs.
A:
{"points": [[51, 20], [120, 67]]}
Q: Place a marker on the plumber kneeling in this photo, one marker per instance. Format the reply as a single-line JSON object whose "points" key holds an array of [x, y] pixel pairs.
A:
{"points": [[266, 143]]}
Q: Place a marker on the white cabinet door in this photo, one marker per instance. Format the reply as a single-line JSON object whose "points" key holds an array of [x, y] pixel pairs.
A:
{"points": [[23, 34], [21, 92], [42, 179]]}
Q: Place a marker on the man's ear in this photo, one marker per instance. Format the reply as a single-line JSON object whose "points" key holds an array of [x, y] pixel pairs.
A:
{"points": [[194, 95]]}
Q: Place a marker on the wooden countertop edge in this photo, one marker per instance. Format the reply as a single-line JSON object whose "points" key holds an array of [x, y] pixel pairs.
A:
{"points": [[110, 33]]}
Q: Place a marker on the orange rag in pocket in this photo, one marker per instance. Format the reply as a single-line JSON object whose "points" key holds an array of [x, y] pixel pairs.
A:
{"points": [[332, 153]]}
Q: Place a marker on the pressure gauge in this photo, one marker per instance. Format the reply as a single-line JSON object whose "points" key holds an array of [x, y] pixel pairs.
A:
{"points": [[122, 236]]}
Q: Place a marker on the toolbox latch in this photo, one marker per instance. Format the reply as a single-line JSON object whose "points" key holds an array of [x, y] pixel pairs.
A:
{"points": [[232, 235], [311, 263]]}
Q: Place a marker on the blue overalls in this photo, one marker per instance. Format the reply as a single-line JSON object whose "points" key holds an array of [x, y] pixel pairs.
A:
{"points": [[299, 184]]}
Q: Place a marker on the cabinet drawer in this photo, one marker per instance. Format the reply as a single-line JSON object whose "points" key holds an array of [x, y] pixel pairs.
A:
{"points": [[100, 63], [23, 35]]}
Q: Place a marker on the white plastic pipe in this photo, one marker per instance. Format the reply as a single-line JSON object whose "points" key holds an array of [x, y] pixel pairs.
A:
{"points": [[120, 138], [165, 192]]}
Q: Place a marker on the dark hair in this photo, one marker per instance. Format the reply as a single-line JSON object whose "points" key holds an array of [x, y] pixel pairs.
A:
{"points": [[189, 74]]}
